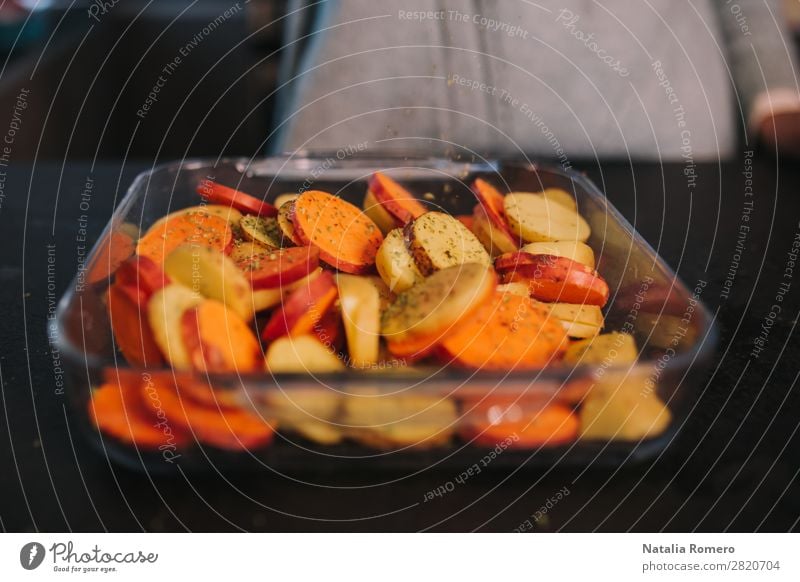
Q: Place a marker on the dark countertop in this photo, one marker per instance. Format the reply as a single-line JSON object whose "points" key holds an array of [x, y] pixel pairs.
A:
{"points": [[734, 465]]}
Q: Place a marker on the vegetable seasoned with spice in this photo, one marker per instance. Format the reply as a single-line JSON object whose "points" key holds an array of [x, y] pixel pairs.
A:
{"points": [[437, 240]]}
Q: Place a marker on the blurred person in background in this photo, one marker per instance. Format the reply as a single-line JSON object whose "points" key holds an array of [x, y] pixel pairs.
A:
{"points": [[614, 79]]}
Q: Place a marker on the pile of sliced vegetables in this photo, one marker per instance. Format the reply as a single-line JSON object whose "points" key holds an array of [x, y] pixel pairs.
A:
{"points": [[314, 284]]}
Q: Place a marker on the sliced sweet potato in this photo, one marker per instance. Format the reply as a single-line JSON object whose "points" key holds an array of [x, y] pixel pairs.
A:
{"points": [[272, 268], [302, 309], [346, 238], [225, 196], [398, 202], [550, 426], [218, 340], [197, 228], [378, 214], [508, 332], [132, 332]]}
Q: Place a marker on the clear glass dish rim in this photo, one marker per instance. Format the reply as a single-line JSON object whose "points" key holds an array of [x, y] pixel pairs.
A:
{"points": [[702, 347]]}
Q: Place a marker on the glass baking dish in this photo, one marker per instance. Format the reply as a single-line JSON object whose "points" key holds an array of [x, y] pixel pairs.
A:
{"points": [[673, 330]]}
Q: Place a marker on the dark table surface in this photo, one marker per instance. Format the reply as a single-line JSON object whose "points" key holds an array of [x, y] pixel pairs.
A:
{"points": [[733, 466]]}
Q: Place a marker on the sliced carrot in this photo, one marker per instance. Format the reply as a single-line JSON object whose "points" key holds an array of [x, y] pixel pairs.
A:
{"points": [[219, 194], [127, 310], [119, 410], [396, 200], [218, 340], [223, 427], [508, 332], [272, 268], [302, 309], [346, 237], [196, 228], [552, 425], [110, 256]]}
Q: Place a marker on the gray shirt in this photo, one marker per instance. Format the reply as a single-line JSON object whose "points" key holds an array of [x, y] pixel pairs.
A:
{"points": [[649, 79]]}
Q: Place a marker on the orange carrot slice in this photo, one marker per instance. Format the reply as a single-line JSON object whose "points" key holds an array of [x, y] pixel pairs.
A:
{"points": [[200, 228], [219, 194], [143, 274], [552, 425], [346, 238], [222, 427], [508, 332], [218, 340], [127, 311], [110, 256]]}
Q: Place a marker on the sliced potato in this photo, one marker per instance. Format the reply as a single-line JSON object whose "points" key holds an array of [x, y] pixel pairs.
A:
{"points": [[515, 288], [164, 312], [621, 407], [386, 295], [262, 230], [285, 224], [570, 249], [580, 321], [213, 275], [282, 199], [308, 412], [437, 241], [438, 302], [264, 299], [495, 241], [609, 349], [395, 264], [561, 197], [378, 213], [535, 218], [360, 303], [301, 354], [404, 420]]}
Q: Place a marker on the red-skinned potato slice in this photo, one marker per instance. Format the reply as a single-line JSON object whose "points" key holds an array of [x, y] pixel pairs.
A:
{"points": [[554, 279], [396, 200], [508, 332], [194, 228], [329, 329], [302, 309], [415, 349], [129, 322], [142, 273], [492, 203], [287, 227], [220, 426], [494, 239], [218, 340], [346, 237], [273, 268], [219, 194], [118, 408], [549, 426]]}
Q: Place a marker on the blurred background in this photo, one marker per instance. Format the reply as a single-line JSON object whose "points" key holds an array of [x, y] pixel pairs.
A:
{"points": [[89, 66]]}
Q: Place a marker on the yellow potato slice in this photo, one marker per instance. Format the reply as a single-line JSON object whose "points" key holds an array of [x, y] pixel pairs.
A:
{"points": [[570, 249], [309, 412], [580, 321], [490, 236], [438, 302], [302, 354], [561, 197], [164, 312], [265, 231], [622, 407], [386, 295], [438, 241], [213, 275], [285, 224], [360, 303], [264, 299], [609, 349], [404, 420], [378, 214], [395, 264], [282, 199], [536, 219], [516, 288]]}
